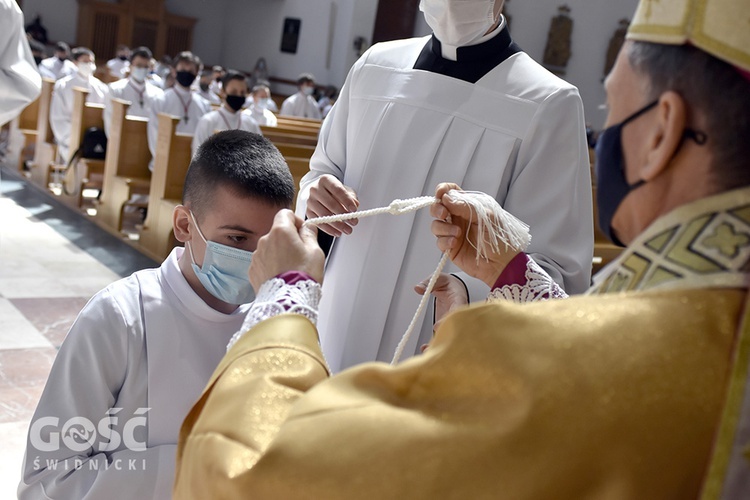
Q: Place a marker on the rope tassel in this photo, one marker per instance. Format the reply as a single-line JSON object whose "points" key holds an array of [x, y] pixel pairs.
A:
{"points": [[495, 228]]}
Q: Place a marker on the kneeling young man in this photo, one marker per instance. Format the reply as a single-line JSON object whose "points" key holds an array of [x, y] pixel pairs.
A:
{"points": [[141, 351]]}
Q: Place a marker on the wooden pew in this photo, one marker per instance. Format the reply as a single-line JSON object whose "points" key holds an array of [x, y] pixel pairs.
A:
{"points": [[126, 165], [294, 150], [27, 124], [298, 167], [89, 173], [45, 150], [298, 122], [290, 129], [173, 155], [280, 136]]}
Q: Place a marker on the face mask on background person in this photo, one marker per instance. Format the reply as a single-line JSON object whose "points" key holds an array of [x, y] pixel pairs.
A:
{"points": [[203, 86], [458, 22], [86, 69], [263, 103], [236, 101], [139, 74], [307, 90], [185, 78], [224, 271]]}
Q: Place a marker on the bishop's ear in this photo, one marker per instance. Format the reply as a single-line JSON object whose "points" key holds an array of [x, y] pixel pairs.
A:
{"points": [[181, 223], [667, 134]]}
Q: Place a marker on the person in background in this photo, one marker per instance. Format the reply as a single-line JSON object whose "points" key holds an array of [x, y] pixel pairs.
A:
{"points": [[118, 66], [203, 87], [37, 31], [37, 51], [258, 104], [136, 88], [229, 116], [302, 104], [218, 77], [59, 65], [179, 100], [61, 107], [20, 82], [142, 349], [325, 103], [416, 112]]}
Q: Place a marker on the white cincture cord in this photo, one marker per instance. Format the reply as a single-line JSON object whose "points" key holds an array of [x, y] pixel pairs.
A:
{"points": [[504, 228]]}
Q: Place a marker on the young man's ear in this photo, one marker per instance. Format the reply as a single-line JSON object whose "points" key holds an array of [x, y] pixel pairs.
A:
{"points": [[667, 134], [181, 223]]}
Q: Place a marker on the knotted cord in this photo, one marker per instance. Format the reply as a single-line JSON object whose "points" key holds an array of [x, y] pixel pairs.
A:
{"points": [[501, 228]]}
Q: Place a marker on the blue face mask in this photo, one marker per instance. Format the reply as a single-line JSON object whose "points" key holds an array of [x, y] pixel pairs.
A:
{"points": [[224, 271], [611, 185]]}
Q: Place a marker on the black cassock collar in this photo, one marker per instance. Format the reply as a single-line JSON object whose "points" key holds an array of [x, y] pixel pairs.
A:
{"points": [[473, 62]]}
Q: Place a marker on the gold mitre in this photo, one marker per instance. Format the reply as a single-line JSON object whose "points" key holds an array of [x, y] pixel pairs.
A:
{"points": [[719, 27]]}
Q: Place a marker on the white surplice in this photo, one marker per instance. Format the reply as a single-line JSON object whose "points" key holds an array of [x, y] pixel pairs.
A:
{"points": [[146, 341], [262, 116], [396, 132], [221, 119], [140, 95], [182, 103], [61, 108], [57, 69], [20, 82], [301, 106]]}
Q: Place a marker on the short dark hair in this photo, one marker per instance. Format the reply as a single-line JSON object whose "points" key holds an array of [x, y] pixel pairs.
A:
{"points": [[247, 163], [79, 52], [259, 87], [141, 52], [188, 57], [714, 88], [305, 78], [36, 46], [62, 47], [232, 75]]}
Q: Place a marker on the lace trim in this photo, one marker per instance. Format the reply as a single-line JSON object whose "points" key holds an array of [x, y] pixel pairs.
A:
{"points": [[539, 286], [277, 297]]}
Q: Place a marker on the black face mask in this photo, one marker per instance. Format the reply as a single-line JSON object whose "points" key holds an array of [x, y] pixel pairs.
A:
{"points": [[611, 185], [185, 78], [62, 59], [37, 60], [122, 58], [235, 102], [204, 87]]}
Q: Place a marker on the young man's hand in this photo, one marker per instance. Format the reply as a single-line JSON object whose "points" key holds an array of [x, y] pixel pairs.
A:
{"points": [[328, 196], [289, 246]]}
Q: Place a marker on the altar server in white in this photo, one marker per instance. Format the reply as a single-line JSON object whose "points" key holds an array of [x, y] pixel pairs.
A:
{"points": [[61, 108], [59, 65], [179, 101], [136, 89], [229, 116], [302, 104], [259, 106], [464, 104], [141, 351], [20, 82]]}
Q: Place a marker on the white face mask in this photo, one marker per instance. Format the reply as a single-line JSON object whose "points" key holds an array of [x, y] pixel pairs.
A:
{"points": [[307, 90], [139, 74], [86, 69], [458, 22]]}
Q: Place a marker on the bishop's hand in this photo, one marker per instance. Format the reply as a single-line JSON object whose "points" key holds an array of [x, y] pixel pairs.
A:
{"points": [[289, 246], [456, 230], [328, 196]]}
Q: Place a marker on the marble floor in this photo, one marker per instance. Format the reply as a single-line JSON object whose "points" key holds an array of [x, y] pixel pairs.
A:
{"points": [[52, 260]]}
